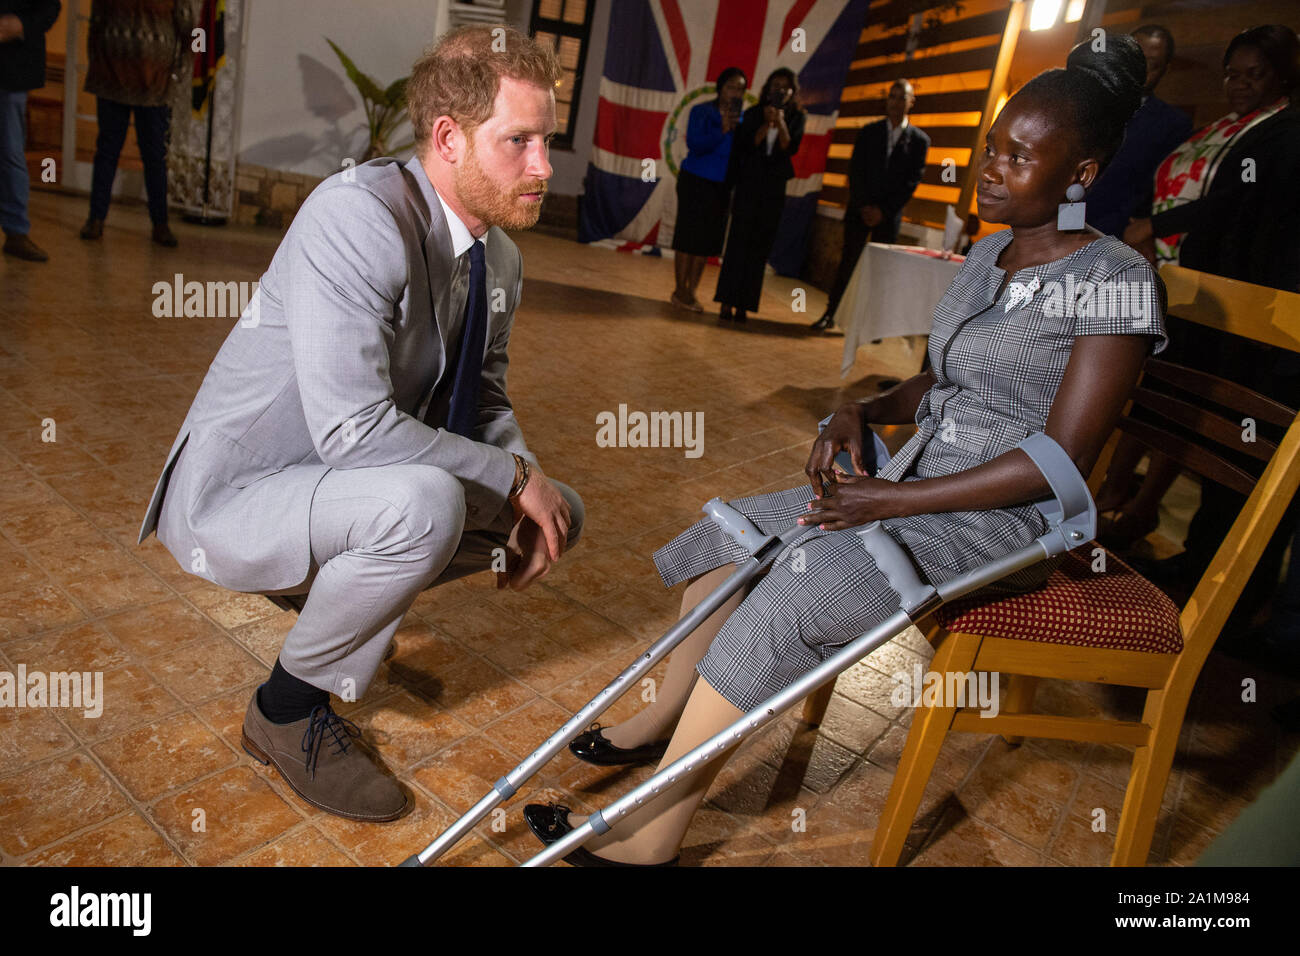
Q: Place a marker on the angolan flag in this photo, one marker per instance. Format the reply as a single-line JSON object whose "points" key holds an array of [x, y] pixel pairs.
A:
{"points": [[661, 59]]}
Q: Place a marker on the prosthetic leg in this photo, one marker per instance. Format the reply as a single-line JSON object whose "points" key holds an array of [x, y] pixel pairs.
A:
{"points": [[1071, 520]]}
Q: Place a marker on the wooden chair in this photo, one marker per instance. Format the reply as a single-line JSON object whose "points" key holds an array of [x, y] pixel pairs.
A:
{"points": [[1115, 627]]}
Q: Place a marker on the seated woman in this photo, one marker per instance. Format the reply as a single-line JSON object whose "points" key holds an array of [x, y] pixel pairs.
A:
{"points": [[1043, 329]]}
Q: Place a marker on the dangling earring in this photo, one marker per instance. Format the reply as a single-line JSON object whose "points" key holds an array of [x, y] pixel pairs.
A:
{"points": [[1071, 215]]}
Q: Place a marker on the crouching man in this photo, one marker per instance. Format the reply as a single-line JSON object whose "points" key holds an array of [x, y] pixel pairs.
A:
{"points": [[353, 440]]}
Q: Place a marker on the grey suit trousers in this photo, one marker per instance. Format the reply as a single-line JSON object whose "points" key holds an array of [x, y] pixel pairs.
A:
{"points": [[379, 536]]}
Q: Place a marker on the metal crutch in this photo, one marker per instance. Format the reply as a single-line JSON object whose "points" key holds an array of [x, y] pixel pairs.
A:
{"points": [[762, 550], [1071, 519]]}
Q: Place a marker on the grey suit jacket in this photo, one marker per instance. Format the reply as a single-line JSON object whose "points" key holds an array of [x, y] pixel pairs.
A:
{"points": [[330, 366]]}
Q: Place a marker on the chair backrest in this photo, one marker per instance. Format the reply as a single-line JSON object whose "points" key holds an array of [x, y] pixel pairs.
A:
{"points": [[1174, 417], [1201, 436]]}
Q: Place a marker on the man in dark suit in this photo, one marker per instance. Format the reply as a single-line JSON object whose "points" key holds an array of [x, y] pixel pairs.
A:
{"points": [[1125, 188], [885, 169]]}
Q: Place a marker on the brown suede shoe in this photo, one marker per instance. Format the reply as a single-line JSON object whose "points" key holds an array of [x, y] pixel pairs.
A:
{"points": [[317, 758], [21, 247]]}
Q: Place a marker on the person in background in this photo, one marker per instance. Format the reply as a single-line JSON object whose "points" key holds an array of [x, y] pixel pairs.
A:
{"points": [[136, 50], [885, 169], [1226, 203], [759, 168], [1124, 190], [23, 24], [703, 193]]}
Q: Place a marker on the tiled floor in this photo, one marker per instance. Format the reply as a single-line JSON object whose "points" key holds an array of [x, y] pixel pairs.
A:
{"points": [[480, 677]]}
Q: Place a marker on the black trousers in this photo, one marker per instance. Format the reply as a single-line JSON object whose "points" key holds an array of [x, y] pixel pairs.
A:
{"points": [[754, 222], [151, 126], [856, 237]]}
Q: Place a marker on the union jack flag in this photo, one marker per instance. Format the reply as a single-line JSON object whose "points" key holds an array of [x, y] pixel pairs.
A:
{"points": [[661, 59]]}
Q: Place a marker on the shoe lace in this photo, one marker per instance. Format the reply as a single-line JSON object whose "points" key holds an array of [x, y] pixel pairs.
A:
{"points": [[323, 723]]}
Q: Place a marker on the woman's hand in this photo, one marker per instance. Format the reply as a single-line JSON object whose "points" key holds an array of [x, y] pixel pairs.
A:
{"points": [[851, 500], [843, 432]]}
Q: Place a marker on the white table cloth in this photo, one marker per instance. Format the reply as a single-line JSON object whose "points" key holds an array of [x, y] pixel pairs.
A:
{"points": [[892, 292]]}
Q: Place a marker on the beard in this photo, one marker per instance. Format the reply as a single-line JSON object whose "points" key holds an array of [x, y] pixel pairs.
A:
{"points": [[493, 203]]}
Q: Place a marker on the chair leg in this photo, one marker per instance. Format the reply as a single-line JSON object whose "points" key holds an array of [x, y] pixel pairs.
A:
{"points": [[1019, 700], [1147, 780], [954, 652], [815, 704]]}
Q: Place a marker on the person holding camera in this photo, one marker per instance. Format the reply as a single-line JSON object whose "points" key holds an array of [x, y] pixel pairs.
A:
{"points": [[769, 134], [703, 192]]}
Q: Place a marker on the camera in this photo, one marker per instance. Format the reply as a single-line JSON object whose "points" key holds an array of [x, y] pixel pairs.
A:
{"points": [[777, 98]]}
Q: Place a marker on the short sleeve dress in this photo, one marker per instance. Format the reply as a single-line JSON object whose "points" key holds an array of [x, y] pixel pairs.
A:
{"points": [[998, 359]]}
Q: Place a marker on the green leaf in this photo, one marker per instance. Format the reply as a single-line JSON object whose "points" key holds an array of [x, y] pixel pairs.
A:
{"points": [[367, 87], [395, 95]]}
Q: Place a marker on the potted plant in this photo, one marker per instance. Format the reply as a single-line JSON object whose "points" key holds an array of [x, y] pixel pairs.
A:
{"points": [[385, 108]]}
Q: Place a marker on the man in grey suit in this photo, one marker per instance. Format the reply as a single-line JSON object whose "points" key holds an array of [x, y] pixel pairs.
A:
{"points": [[353, 440]]}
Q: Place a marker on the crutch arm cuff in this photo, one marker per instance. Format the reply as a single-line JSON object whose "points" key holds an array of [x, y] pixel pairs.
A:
{"points": [[1072, 515]]}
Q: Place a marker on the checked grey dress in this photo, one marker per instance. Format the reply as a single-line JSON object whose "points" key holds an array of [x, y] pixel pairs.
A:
{"points": [[998, 360]]}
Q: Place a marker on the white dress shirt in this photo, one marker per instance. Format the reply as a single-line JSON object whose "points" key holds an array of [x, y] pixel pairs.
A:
{"points": [[895, 133], [461, 237]]}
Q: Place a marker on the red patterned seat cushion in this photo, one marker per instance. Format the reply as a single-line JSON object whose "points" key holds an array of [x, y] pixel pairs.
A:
{"points": [[1117, 608]]}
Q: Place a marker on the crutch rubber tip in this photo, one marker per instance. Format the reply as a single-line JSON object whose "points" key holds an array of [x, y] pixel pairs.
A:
{"points": [[413, 860]]}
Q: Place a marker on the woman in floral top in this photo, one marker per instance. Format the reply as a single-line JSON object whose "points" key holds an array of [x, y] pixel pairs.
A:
{"points": [[1226, 201]]}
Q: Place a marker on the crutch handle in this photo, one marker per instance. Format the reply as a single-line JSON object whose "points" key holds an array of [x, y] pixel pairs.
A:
{"points": [[746, 533], [897, 567]]}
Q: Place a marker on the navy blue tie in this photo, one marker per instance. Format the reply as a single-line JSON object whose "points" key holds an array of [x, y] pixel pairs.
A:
{"points": [[463, 414]]}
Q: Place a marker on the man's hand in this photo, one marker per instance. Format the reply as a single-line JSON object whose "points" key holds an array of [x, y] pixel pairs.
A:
{"points": [[528, 560], [842, 433], [872, 216], [11, 28], [542, 502]]}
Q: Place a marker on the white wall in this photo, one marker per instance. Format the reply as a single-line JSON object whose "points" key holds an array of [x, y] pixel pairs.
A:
{"points": [[300, 112]]}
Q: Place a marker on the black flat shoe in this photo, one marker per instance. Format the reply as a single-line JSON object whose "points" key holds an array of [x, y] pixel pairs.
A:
{"points": [[591, 746], [822, 324], [740, 315], [724, 313], [550, 824]]}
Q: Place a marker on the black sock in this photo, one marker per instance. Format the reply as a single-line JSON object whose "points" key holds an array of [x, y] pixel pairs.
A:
{"points": [[284, 698]]}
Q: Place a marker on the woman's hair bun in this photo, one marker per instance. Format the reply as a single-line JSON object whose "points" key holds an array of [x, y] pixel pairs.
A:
{"points": [[1117, 63], [1097, 93]]}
